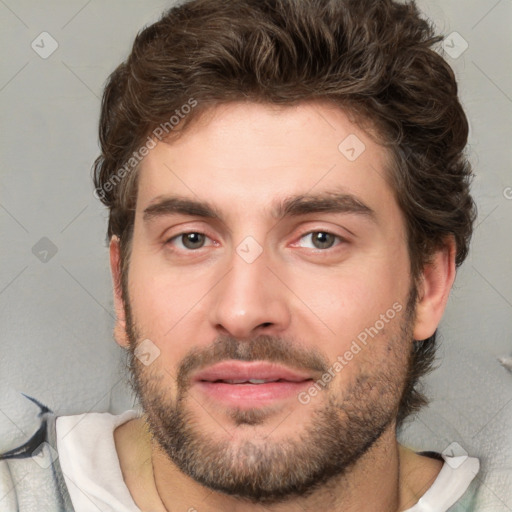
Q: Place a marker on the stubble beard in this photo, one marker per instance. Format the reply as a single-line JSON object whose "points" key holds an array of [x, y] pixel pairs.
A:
{"points": [[338, 433]]}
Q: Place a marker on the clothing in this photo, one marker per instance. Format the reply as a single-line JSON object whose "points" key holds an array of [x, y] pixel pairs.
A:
{"points": [[89, 458], [31, 479], [85, 474]]}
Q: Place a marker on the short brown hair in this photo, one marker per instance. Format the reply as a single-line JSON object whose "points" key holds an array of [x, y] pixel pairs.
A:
{"points": [[373, 58]]}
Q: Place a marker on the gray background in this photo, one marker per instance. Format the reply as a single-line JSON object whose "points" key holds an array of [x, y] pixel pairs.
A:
{"points": [[57, 315]]}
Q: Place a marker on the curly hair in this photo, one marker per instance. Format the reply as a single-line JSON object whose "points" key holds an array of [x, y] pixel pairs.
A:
{"points": [[375, 59]]}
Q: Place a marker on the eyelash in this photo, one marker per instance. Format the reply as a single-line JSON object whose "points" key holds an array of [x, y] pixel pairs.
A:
{"points": [[325, 232]]}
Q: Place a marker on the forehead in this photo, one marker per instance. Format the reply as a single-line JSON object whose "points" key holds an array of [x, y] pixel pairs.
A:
{"points": [[244, 156]]}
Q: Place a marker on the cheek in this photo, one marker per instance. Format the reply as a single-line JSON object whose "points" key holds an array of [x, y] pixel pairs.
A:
{"points": [[352, 297], [158, 289], [157, 300], [357, 312]]}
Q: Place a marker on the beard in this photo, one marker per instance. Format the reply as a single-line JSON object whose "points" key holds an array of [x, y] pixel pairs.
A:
{"points": [[336, 432]]}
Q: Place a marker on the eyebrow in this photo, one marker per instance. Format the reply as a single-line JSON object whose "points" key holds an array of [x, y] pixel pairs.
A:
{"points": [[294, 206]]}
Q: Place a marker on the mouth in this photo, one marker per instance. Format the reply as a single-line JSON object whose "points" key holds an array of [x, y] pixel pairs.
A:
{"points": [[250, 384]]}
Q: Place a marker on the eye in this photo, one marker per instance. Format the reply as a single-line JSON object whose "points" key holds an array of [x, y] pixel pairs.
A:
{"points": [[320, 239], [192, 240]]}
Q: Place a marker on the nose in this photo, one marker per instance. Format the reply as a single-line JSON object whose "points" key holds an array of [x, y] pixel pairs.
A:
{"points": [[250, 300]]}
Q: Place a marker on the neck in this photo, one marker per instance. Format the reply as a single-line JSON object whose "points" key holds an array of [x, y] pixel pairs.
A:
{"points": [[388, 478]]}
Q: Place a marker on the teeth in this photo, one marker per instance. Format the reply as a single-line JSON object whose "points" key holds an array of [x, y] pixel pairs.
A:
{"points": [[252, 381]]}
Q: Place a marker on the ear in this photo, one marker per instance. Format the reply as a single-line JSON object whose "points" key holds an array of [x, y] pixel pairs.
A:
{"points": [[433, 290], [115, 267]]}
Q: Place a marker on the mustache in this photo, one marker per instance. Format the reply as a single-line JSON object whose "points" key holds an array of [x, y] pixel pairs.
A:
{"points": [[262, 348]]}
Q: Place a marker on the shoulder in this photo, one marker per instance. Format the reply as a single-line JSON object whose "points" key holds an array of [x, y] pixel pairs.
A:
{"points": [[30, 475], [27, 449], [418, 471], [448, 481]]}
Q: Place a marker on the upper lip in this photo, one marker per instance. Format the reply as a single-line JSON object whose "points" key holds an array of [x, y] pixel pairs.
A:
{"points": [[242, 370]]}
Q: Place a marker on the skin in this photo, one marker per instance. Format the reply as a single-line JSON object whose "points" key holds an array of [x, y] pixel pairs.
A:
{"points": [[321, 299]]}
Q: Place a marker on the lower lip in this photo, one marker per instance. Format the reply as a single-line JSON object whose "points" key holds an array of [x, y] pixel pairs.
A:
{"points": [[246, 396]]}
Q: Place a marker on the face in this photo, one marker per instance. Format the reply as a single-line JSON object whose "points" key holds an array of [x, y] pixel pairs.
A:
{"points": [[268, 247]]}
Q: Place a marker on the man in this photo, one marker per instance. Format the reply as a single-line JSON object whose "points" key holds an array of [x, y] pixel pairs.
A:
{"points": [[289, 201]]}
